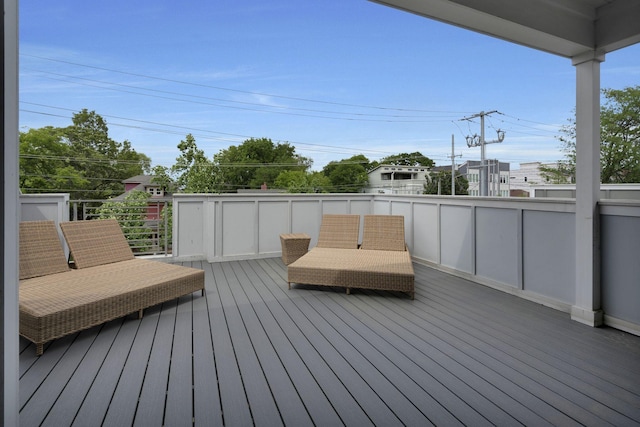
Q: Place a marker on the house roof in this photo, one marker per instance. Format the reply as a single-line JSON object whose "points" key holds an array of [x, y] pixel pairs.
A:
{"points": [[139, 179], [569, 28], [142, 181]]}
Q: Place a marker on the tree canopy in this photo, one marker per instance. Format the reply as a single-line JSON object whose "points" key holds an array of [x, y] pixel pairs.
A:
{"points": [[348, 175], [80, 159], [303, 182], [619, 135], [408, 159], [196, 173], [256, 162]]}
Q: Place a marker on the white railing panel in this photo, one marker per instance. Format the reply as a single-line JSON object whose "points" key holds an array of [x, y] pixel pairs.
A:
{"points": [[239, 228], [335, 207], [456, 238], [273, 220], [191, 225], [498, 245], [381, 206], [426, 235], [39, 207], [549, 254], [620, 247]]}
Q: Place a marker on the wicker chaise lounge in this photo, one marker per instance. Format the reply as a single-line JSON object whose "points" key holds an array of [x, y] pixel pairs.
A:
{"points": [[382, 262], [109, 281]]}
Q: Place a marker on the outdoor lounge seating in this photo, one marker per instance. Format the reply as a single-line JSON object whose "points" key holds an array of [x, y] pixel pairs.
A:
{"points": [[107, 283], [382, 262]]}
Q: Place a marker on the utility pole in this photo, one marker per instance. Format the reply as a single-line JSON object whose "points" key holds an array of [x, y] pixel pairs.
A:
{"points": [[475, 140], [453, 167]]}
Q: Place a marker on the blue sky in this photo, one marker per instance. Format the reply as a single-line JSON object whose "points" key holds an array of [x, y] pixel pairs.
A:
{"points": [[334, 78]]}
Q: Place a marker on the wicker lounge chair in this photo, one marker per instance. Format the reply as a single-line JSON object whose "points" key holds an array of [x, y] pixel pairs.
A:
{"points": [[109, 281], [382, 262]]}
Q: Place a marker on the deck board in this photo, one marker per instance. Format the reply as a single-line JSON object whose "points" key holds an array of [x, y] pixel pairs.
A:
{"points": [[250, 351], [206, 396], [180, 388], [155, 386]]}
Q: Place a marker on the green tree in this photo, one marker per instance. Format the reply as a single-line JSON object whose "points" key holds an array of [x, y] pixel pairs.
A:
{"points": [[79, 159], [104, 161], [257, 161], [302, 182], [348, 175], [408, 159], [45, 162], [162, 177], [442, 180], [196, 173], [619, 135]]}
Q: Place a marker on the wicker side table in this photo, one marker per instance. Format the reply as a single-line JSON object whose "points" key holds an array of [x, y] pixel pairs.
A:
{"points": [[294, 245]]}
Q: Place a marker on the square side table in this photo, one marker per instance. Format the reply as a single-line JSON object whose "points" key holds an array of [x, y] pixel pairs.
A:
{"points": [[294, 245]]}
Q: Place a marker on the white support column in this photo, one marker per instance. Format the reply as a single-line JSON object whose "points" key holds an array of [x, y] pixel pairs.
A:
{"points": [[587, 307], [9, 270]]}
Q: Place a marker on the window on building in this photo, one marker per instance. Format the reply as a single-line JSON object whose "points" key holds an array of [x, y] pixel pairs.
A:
{"points": [[155, 191]]}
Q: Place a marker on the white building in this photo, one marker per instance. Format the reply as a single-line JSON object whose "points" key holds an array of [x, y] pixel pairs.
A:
{"points": [[530, 175], [498, 176], [394, 179]]}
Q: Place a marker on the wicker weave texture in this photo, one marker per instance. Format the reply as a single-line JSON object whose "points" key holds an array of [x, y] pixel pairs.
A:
{"points": [[60, 304], [294, 245], [339, 231], [383, 232], [96, 242], [40, 250], [349, 268]]}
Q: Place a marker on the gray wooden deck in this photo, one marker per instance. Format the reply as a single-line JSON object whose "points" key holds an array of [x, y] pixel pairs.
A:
{"points": [[253, 352]]}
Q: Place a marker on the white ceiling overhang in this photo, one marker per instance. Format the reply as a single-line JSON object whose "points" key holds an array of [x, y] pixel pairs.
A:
{"points": [[569, 28]]}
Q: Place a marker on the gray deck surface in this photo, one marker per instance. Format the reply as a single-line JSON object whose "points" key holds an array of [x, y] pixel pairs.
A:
{"points": [[253, 352]]}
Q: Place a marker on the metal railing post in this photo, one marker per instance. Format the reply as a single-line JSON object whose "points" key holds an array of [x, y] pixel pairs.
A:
{"points": [[166, 227]]}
